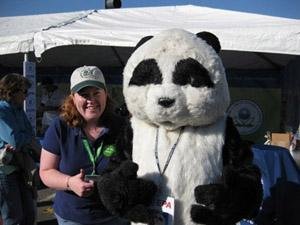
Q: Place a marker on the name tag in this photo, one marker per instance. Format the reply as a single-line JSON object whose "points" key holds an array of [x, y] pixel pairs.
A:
{"points": [[91, 177], [165, 211]]}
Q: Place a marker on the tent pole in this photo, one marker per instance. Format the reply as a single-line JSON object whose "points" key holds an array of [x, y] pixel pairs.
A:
{"points": [[29, 71], [117, 55], [266, 59]]}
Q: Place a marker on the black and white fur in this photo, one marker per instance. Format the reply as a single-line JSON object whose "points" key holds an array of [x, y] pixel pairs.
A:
{"points": [[175, 82]]}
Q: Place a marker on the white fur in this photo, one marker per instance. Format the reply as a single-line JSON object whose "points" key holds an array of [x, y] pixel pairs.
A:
{"points": [[197, 158], [195, 161]]}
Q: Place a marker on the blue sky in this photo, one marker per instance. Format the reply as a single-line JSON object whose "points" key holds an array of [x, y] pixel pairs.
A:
{"points": [[282, 8]]}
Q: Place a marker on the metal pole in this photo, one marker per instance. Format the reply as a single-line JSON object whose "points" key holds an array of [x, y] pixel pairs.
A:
{"points": [[29, 71], [25, 59]]}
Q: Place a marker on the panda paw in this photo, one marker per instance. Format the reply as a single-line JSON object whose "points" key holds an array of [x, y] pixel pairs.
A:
{"points": [[204, 215], [238, 197], [209, 194], [210, 198], [125, 195]]}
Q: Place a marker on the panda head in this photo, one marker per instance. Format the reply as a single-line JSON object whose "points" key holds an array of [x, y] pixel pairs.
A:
{"points": [[176, 79]]}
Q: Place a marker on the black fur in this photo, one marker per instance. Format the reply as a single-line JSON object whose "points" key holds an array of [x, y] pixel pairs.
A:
{"points": [[190, 71], [125, 195], [119, 189], [142, 41], [120, 135], [235, 151], [210, 39], [146, 72]]}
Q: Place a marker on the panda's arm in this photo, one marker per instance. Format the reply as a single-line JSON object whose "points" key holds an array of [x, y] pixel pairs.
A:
{"points": [[240, 176], [236, 152], [126, 139], [122, 138], [121, 191], [239, 195]]}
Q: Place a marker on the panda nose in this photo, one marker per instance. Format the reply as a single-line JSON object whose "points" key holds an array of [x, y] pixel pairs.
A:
{"points": [[166, 102]]}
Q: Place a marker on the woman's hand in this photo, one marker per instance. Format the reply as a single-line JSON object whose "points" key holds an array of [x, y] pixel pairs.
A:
{"points": [[79, 186], [9, 148], [6, 154]]}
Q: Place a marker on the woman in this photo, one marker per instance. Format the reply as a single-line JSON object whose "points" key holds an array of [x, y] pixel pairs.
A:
{"points": [[82, 141], [17, 140]]}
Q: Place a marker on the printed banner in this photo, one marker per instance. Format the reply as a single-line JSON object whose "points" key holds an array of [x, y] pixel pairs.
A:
{"points": [[30, 102]]}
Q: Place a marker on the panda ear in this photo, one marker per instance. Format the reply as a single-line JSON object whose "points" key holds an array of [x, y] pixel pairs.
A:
{"points": [[142, 41], [210, 39]]}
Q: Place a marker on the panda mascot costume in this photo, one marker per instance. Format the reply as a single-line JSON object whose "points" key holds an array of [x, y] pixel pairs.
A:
{"points": [[185, 147]]}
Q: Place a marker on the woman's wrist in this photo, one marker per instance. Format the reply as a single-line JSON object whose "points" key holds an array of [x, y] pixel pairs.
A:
{"points": [[68, 188]]}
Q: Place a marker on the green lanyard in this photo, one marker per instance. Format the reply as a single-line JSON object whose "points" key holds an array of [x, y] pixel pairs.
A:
{"points": [[93, 158]]}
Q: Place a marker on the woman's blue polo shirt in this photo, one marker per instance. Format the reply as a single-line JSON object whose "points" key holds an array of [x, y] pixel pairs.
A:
{"points": [[66, 142]]}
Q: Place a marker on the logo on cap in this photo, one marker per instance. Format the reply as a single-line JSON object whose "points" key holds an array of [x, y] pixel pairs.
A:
{"points": [[88, 73]]}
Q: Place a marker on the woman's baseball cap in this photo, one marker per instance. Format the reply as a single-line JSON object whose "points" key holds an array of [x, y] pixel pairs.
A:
{"points": [[87, 76]]}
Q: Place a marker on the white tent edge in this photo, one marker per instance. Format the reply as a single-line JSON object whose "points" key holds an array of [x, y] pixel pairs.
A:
{"points": [[123, 27]]}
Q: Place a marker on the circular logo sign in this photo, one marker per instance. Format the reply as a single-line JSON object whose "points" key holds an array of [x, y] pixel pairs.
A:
{"points": [[246, 115]]}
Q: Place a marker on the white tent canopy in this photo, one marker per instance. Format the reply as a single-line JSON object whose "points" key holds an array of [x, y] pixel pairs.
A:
{"points": [[255, 39], [17, 33]]}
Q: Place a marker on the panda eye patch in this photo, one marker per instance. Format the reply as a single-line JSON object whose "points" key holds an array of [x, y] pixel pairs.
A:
{"points": [[146, 72], [190, 71]]}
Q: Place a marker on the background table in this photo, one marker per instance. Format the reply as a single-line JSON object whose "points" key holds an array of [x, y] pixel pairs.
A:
{"points": [[281, 185]]}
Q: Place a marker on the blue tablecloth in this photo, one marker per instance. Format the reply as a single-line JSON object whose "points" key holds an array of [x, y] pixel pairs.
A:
{"points": [[281, 184]]}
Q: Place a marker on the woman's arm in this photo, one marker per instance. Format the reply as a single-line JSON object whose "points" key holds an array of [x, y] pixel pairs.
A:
{"points": [[49, 174], [53, 178]]}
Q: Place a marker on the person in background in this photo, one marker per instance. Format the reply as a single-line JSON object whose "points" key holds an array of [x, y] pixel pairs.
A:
{"points": [[81, 141], [51, 100], [17, 147]]}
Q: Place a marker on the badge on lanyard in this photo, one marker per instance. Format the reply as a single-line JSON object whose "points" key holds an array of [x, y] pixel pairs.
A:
{"points": [[165, 211], [164, 205]]}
